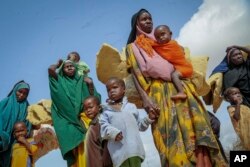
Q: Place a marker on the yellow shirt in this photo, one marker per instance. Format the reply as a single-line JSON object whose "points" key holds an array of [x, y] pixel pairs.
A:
{"points": [[20, 155]]}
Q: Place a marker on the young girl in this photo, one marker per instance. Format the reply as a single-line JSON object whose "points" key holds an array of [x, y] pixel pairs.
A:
{"points": [[239, 114], [120, 125], [24, 149], [96, 149]]}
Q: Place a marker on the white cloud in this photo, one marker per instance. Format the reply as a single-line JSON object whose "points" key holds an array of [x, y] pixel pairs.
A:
{"points": [[216, 25]]}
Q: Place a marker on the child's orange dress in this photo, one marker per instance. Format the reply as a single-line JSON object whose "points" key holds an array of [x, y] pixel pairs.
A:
{"points": [[173, 53]]}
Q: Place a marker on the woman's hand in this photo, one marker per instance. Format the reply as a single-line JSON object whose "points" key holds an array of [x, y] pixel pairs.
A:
{"points": [[59, 63], [152, 110]]}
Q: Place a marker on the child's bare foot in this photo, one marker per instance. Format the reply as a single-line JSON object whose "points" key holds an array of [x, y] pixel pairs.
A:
{"points": [[179, 96]]}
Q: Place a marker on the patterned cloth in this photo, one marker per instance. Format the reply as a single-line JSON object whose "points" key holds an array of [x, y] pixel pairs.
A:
{"points": [[182, 125]]}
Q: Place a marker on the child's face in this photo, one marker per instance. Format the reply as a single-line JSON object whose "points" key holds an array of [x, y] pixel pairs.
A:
{"points": [[91, 108], [20, 130], [21, 94], [69, 69], [115, 90], [235, 96], [162, 35], [73, 57], [236, 57]]}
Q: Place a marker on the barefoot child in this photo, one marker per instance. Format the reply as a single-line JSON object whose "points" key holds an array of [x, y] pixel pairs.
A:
{"points": [[171, 51], [96, 149], [239, 114], [120, 125], [24, 149]]}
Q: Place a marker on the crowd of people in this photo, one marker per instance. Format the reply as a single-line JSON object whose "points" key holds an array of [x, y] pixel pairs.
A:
{"points": [[93, 134]]}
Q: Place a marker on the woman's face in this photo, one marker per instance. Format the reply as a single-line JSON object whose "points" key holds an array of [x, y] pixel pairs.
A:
{"points": [[145, 22], [22, 94], [236, 57], [69, 69]]}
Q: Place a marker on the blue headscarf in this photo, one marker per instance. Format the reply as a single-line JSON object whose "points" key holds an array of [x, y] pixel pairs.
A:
{"points": [[222, 67]]}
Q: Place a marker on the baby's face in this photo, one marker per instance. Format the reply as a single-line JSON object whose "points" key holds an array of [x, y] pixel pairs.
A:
{"points": [[74, 58], [162, 35], [91, 108]]}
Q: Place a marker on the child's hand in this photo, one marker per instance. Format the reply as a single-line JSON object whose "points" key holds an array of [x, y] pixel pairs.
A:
{"points": [[154, 114], [88, 81], [237, 100], [119, 137], [21, 139]]}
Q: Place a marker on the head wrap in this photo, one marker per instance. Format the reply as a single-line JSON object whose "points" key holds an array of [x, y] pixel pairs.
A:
{"points": [[133, 31], [60, 69], [229, 54], [11, 111], [225, 63]]}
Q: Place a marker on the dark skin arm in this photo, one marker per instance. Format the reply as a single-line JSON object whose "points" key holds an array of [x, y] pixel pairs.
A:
{"points": [[53, 67], [237, 102], [242, 48], [22, 140], [148, 104]]}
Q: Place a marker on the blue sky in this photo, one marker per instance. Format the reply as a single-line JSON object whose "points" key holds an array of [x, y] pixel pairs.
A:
{"points": [[36, 33]]}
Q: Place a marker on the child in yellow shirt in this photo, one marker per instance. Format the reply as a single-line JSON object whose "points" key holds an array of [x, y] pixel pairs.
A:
{"points": [[24, 148]]}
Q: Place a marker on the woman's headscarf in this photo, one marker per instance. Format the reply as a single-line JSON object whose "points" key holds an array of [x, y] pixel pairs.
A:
{"points": [[11, 111], [67, 94], [132, 35], [224, 64]]}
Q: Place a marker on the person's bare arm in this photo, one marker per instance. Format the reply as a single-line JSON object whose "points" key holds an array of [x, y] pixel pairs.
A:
{"points": [[244, 49], [236, 115], [22, 140], [148, 104], [237, 102], [53, 67]]}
